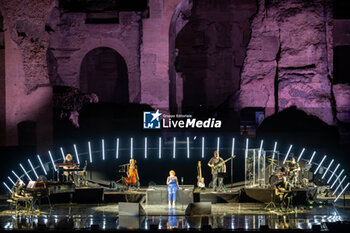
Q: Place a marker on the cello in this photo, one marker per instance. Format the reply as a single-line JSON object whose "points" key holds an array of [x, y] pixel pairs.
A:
{"points": [[133, 176]]}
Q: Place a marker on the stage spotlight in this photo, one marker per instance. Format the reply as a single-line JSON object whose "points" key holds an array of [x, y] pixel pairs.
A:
{"points": [[312, 157], [285, 159], [103, 149], [274, 150], [233, 147], [131, 148], [42, 165], [145, 147], [53, 163], [202, 147], [31, 165], [160, 147], [90, 154], [318, 167], [301, 154], [7, 187], [188, 147], [25, 172], [16, 175], [260, 148], [63, 155], [11, 180], [327, 168], [337, 178], [117, 149], [218, 144], [174, 147], [330, 178], [339, 185], [341, 192], [246, 148], [76, 153]]}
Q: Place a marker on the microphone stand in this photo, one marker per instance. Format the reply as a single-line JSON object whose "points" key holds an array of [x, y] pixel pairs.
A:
{"points": [[182, 196]]}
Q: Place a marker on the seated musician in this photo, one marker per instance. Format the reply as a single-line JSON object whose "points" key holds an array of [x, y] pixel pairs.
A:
{"points": [[68, 174], [283, 190], [215, 160], [133, 175], [18, 190], [294, 172]]}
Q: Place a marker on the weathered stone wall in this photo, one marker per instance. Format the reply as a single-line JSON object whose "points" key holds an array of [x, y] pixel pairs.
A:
{"points": [[288, 58], [155, 54], [27, 94], [211, 50], [71, 39]]}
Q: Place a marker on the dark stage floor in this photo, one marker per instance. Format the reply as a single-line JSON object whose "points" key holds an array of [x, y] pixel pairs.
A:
{"points": [[230, 216]]}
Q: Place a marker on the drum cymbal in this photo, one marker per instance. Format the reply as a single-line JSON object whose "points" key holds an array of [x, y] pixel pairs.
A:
{"points": [[273, 159], [288, 161]]}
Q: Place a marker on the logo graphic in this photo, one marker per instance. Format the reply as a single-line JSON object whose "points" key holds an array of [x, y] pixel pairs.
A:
{"points": [[151, 120]]}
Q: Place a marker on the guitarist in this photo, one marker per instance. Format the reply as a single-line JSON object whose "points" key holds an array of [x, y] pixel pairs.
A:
{"points": [[284, 190], [216, 159]]}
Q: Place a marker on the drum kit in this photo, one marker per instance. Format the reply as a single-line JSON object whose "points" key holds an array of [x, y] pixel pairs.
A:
{"points": [[293, 175]]}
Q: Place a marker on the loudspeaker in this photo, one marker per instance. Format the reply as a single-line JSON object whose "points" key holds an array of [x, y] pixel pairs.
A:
{"points": [[130, 209], [198, 208]]}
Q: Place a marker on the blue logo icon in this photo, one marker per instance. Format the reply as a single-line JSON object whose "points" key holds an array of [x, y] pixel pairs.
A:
{"points": [[151, 120]]}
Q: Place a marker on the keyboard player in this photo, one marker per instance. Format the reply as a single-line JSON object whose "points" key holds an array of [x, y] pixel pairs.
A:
{"points": [[69, 166]]}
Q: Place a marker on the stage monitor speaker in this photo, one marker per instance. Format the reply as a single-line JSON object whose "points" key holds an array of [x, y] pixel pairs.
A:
{"points": [[130, 209], [198, 208]]}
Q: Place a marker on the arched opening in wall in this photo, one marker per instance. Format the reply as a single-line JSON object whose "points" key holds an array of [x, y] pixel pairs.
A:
{"points": [[26, 133], [209, 54], [2, 83], [104, 72]]}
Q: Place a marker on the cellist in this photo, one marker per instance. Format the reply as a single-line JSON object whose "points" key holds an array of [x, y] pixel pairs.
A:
{"points": [[133, 176]]}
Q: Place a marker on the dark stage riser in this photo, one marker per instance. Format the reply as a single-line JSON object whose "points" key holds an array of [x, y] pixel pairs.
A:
{"points": [[158, 195], [301, 196]]}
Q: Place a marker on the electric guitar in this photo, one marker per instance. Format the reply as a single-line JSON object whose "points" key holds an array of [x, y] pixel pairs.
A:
{"points": [[200, 179], [219, 164]]}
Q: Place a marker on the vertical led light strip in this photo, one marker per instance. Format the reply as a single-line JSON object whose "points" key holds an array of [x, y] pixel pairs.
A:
{"points": [[16, 175], [25, 172], [330, 164], [218, 144], [339, 185], [260, 148], [246, 148], [53, 163], [174, 147], [285, 158], [274, 150], [76, 153], [31, 165], [336, 168], [160, 148], [337, 178], [90, 154], [318, 167], [11, 180], [145, 147], [7, 187], [103, 149], [312, 157], [233, 147], [188, 147], [341, 192], [62, 152], [131, 148], [42, 165], [117, 149], [203, 147], [301, 154]]}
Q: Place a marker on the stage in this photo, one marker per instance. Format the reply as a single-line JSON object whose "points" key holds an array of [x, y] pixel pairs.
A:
{"points": [[99, 207]]}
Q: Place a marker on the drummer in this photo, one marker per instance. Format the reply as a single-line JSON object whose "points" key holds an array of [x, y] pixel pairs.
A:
{"points": [[294, 172]]}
